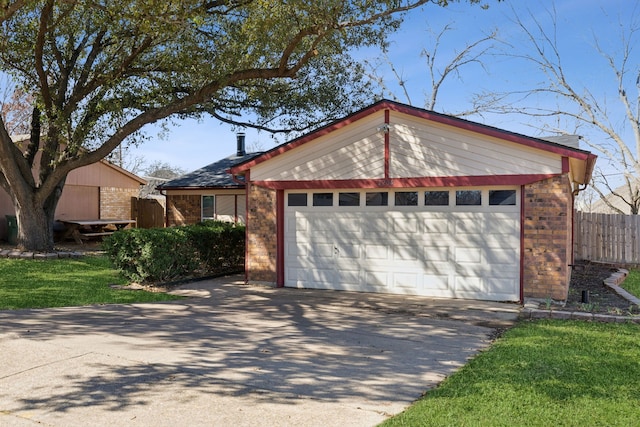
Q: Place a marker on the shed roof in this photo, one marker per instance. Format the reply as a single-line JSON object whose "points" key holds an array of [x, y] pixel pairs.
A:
{"points": [[214, 175]]}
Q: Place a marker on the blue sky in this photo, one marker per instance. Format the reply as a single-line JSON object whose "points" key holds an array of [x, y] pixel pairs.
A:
{"points": [[192, 144]]}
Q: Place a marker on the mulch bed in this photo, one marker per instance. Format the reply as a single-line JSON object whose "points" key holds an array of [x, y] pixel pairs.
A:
{"points": [[589, 277]]}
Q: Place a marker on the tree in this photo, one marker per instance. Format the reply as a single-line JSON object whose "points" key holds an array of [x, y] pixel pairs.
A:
{"points": [[100, 71], [15, 110], [610, 126], [439, 70]]}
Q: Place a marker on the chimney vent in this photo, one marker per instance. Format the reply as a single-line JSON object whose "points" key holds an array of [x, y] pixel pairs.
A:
{"points": [[241, 151]]}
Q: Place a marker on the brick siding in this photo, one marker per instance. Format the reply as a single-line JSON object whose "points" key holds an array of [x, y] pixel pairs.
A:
{"points": [[261, 235], [183, 209], [116, 202], [547, 235]]}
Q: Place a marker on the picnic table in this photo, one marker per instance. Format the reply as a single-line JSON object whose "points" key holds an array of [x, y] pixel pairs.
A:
{"points": [[86, 228]]}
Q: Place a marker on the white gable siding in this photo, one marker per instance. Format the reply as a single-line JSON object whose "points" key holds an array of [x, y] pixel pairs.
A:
{"points": [[353, 152], [420, 148]]}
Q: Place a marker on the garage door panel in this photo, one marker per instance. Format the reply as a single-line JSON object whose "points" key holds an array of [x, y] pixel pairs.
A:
{"points": [[468, 255], [375, 278], [405, 225], [405, 253], [436, 225], [406, 281], [468, 226], [436, 253], [321, 251], [380, 252], [498, 226], [468, 285], [501, 256], [298, 250], [436, 282]]}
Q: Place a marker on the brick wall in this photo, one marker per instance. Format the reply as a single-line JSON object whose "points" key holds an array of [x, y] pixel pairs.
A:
{"points": [[261, 235], [183, 209], [116, 202], [548, 210]]}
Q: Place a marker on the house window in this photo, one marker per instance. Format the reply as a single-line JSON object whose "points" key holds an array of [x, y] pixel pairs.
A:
{"points": [[297, 199], [502, 197], [406, 198], [378, 198], [208, 207], [436, 198], [468, 198], [322, 199], [349, 199]]}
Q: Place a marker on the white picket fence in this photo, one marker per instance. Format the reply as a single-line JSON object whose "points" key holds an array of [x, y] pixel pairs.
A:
{"points": [[607, 237]]}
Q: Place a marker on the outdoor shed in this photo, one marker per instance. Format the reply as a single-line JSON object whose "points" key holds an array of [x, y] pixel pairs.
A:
{"points": [[210, 192], [397, 199], [97, 191]]}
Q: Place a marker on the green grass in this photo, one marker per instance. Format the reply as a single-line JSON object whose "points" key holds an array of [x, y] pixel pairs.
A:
{"points": [[632, 283], [65, 282], [545, 373]]}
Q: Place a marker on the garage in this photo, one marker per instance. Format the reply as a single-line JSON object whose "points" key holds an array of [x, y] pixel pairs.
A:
{"points": [[430, 242], [400, 200]]}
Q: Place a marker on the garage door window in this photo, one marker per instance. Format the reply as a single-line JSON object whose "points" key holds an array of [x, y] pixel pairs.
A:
{"points": [[378, 198], [297, 199], [468, 198], [436, 198], [322, 199], [406, 198], [349, 199], [502, 197]]}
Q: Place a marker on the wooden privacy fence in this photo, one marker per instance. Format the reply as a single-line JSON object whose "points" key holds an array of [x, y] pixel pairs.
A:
{"points": [[149, 213], [607, 237]]}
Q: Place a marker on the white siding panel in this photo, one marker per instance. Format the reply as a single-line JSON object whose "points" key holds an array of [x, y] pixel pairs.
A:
{"points": [[353, 152], [420, 148]]}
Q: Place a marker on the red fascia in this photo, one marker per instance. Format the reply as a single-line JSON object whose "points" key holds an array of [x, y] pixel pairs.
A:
{"points": [[450, 181]]}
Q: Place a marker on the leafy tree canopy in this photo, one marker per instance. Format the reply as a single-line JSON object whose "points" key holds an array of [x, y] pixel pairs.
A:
{"points": [[100, 70]]}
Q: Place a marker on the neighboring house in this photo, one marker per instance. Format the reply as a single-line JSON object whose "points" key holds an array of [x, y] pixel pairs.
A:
{"points": [[397, 199], [98, 191], [208, 193], [600, 206]]}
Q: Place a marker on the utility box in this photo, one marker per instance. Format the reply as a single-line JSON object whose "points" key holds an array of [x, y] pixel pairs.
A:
{"points": [[12, 229]]}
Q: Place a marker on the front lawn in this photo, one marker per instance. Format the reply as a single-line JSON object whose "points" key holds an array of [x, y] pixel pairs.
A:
{"points": [[65, 282], [632, 283], [544, 373]]}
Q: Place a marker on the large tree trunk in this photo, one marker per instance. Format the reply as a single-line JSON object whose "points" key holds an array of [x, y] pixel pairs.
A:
{"points": [[35, 222]]}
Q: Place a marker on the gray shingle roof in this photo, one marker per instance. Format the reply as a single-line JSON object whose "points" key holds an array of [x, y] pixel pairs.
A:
{"points": [[214, 175]]}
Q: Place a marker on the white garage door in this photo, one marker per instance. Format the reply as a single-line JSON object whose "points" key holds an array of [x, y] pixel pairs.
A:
{"points": [[457, 249]]}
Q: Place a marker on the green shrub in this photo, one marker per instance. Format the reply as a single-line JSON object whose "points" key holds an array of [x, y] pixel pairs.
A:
{"points": [[164, 254]]}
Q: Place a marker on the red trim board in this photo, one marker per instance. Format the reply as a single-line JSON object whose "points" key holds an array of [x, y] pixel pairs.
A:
{"points": [[451, 181]]}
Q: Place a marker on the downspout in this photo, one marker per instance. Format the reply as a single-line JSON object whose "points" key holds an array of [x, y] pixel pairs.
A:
{"points": [[166, 209]]}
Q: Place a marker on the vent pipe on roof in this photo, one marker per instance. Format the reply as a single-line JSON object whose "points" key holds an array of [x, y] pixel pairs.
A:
{"points": [[241, 151]]}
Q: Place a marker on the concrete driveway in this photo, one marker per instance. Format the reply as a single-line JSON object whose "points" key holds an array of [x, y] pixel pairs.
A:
{"points": [[236, 355]]}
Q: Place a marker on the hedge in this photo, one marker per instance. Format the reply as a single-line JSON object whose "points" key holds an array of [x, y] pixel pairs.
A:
{"points": [[166, 254]]}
